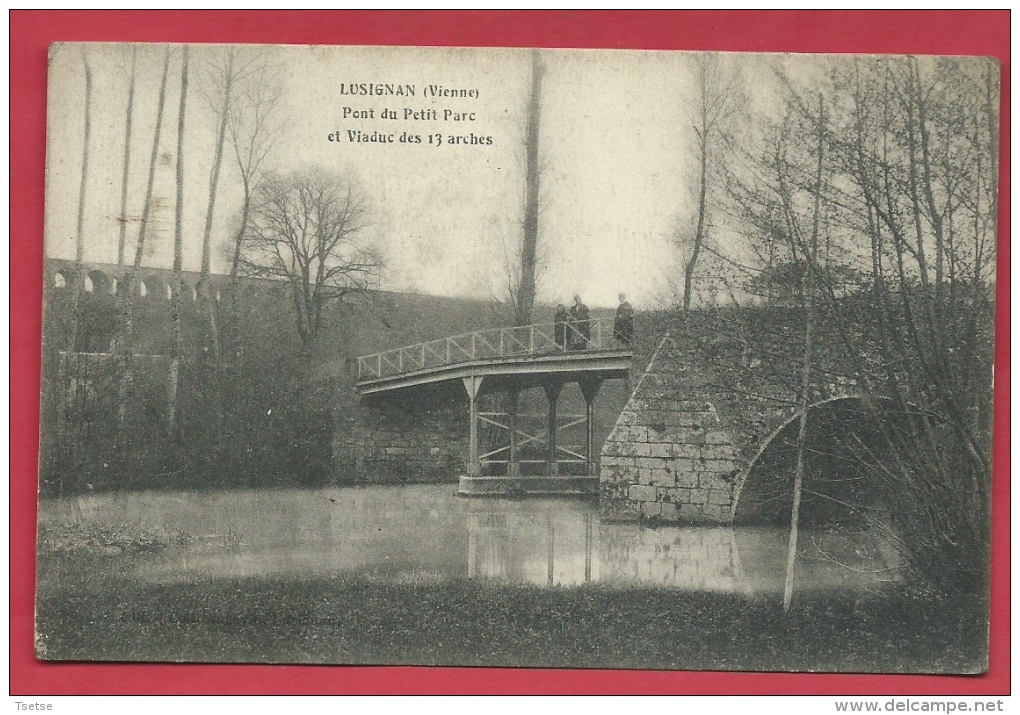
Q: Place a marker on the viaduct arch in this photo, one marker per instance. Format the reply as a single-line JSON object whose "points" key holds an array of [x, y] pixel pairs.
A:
{"points": [[687, 449]]}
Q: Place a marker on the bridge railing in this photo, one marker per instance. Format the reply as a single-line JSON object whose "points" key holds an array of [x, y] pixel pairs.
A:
{"points": [[523, 341]]}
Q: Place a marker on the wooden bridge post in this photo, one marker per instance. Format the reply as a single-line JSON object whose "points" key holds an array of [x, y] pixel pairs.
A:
{"points": [[590, 388], [513, 469], [473, 384], [552, 393]]}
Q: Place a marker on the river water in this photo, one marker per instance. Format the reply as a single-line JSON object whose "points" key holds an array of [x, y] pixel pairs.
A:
{"points": [[428, 532]]}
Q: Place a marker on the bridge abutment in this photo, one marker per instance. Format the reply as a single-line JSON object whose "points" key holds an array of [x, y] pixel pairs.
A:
{"points": [[669, 458], [387, 441]]}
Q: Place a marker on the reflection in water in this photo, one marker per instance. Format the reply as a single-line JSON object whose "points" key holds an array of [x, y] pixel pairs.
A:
{"points": [[407, 533], [553, 546]]}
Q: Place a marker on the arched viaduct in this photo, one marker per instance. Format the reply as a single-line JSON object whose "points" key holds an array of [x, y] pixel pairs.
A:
{"points": [[705, 436], [710, 432]]}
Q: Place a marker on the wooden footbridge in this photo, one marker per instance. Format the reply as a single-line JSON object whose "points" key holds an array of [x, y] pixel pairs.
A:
{"points": [[506, 361]]}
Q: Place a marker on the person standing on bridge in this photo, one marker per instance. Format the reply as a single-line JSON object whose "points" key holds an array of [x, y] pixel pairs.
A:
{"points": [[623, 326], [581, 324], [560, 326]]}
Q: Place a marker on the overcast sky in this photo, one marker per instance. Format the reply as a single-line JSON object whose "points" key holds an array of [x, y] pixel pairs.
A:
{"points": [[615, 138]]}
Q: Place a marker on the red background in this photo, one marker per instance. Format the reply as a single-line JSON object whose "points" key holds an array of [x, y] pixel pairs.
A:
{"points": [[955, 32]]}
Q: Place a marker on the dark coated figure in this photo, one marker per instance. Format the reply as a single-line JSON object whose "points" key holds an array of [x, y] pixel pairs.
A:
{"points": [[581, 324], [623, 325], [560, 326]]}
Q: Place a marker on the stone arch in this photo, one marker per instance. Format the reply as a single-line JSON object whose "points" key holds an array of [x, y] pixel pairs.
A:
{"points": [[63, 278], [98, 282], [843, 437], [153, 287]]}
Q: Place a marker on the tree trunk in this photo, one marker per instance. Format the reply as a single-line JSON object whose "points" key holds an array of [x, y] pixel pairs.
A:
{"points": [[129, 112], [245, 207], [208, 304], [529, 249], [127, 375], [79, 238], [805, 387], [175, 301], [699, 234], [233, 317]]}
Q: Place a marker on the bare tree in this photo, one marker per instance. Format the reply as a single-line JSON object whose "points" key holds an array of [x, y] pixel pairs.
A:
{"points": [[177, 294], [78, 285], [718, 97], [127, 293], [218, 94], [253, 128], [79, 236], [524, 295], [811, 249], [919, 156], [128, 117], [909, 147], [236, 86], [307, 228], [221, 81]]}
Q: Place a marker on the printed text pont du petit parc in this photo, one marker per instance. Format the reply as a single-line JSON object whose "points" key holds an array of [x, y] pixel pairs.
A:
{"points": [[405, 123]]}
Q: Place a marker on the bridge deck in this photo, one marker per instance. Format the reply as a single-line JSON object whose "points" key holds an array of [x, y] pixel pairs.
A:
{"points": [[528, 352]]}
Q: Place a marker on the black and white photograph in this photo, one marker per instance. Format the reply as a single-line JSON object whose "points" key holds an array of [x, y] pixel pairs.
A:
{"points": [[518, 358]]}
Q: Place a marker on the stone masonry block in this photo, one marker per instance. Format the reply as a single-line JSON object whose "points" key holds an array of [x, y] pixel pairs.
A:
{"points": [[683, 466], [660, 450], [686, 451], [621, 449], [717, 513], [668, 512], [691, 512], [711, 480], [718, 496], [651, 508], [639, 492], [662, 478], [688, 480], [717, 437], [630, 433], [718, 451], [720, 466]]}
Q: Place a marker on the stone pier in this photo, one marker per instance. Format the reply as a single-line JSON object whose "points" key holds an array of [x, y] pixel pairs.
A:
{"points": [[669, 458]]}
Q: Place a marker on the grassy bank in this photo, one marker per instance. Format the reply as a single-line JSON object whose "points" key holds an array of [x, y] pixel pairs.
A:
{"points": [[87, 540], [363, 620]]}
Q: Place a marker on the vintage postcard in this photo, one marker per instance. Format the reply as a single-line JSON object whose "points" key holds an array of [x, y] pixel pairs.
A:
{"points": [[519, 358]]}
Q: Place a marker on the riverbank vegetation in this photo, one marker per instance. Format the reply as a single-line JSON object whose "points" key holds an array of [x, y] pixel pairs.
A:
{"points": [[86, 539], [360, 619]]}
